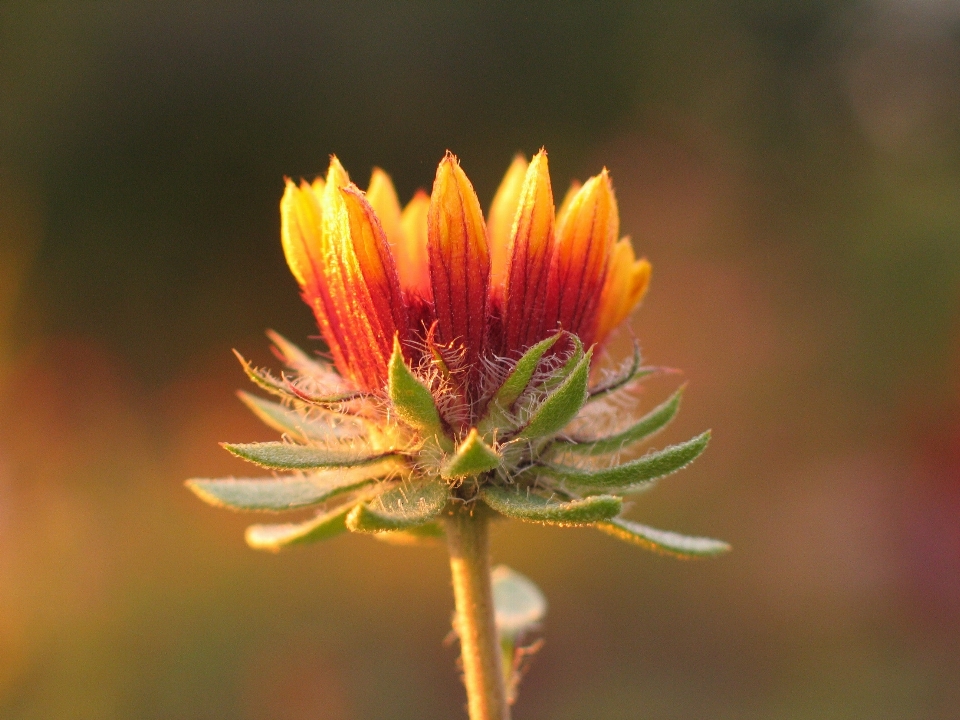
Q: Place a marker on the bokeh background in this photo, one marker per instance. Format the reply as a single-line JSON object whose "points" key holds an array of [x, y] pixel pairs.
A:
{"points": [[792, 169]]}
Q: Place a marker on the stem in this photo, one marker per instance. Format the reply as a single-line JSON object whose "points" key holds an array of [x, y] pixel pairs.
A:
{"points": [[468, 538]]}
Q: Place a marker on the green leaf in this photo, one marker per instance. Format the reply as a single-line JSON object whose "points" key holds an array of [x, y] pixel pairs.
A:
{"points": [[473, 457], [285, 493], [263, 378], [296, 424], [427, 534], [412, 400], [321, 527], [663, 541], [562, 405], [651, 423], [518, 380], [524, 505], [634, 372], [297, 359], [287, 456], [405, 506], [631, 476], [518, 603]]}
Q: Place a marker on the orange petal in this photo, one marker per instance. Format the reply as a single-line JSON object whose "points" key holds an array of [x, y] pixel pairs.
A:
{"points": [[531, 245], [383, 199], [413, 264], [626, 284], [301, 233], [503, 212], [300, 229], [459, 261], [381, 286], [564, 208], [585, 237]]}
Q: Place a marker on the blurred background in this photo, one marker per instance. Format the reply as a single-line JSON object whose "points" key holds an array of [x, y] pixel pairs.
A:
{"points": [[792, 170]]}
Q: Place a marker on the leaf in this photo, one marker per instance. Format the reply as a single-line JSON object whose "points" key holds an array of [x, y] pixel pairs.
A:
{"points": [[287, 456], [286, 493], [524, 505], [263, 378], [405, 506], [297, 359], [651, 423], [421, 535], [519, 378], [631, 476], [321, 527], [473, 457], [518, 603], [286, 420], [663, 541], [634, 372], [562, 405], [412, 400]]}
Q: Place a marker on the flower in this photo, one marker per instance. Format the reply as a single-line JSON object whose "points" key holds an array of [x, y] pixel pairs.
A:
{"points": [[462, 354]]}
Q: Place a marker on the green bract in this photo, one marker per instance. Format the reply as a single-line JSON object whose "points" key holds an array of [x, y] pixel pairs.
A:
{"points": [[394, 463]]}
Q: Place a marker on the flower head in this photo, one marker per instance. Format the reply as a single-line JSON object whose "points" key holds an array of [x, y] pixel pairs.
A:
{"points": [[462, 351]]}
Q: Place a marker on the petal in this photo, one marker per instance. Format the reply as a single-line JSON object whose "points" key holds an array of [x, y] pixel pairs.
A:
{"points": [[503, 212], [626, 284], [383, 199], [459, 261], [585, 237], [301, 233], [354, 315], [380, 289], [531, 245], [564, 208], [300, 229], [413, 264]]}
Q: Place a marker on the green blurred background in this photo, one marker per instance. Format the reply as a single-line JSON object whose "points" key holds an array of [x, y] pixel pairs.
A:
{"points": [[792, 170]]}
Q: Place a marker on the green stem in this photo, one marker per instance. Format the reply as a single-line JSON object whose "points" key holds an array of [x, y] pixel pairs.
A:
{"points": [[468, 537]]}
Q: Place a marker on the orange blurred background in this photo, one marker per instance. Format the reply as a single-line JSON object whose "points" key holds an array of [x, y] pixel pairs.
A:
{"points": [[792, 170]]}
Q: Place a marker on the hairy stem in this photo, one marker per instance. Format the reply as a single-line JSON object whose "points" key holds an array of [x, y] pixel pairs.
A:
{"points": [[468, 539]]}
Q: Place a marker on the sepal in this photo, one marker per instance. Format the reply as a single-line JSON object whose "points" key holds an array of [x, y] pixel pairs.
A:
{"points": [[275, 537], [405, 506], [412, 400], [276, 494], [298, 425], [287, 456], [663, 541], [524, 505], [651, 423], [473, 457], [561, 405], [630, 476]]}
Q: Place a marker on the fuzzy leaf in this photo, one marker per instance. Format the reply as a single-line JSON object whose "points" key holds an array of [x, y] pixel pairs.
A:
{"points": [[285, 493], [284, 388], [562, 405], [297, 359], [526, 506], [276, 537], [263, 378], [663, 541], [421, 535], [522, 372], [651, 423], [518, 603], [287, 456], [412, 400], [405, 506], [634, 372], [286, 420], [473, 457], [631, 476]]}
